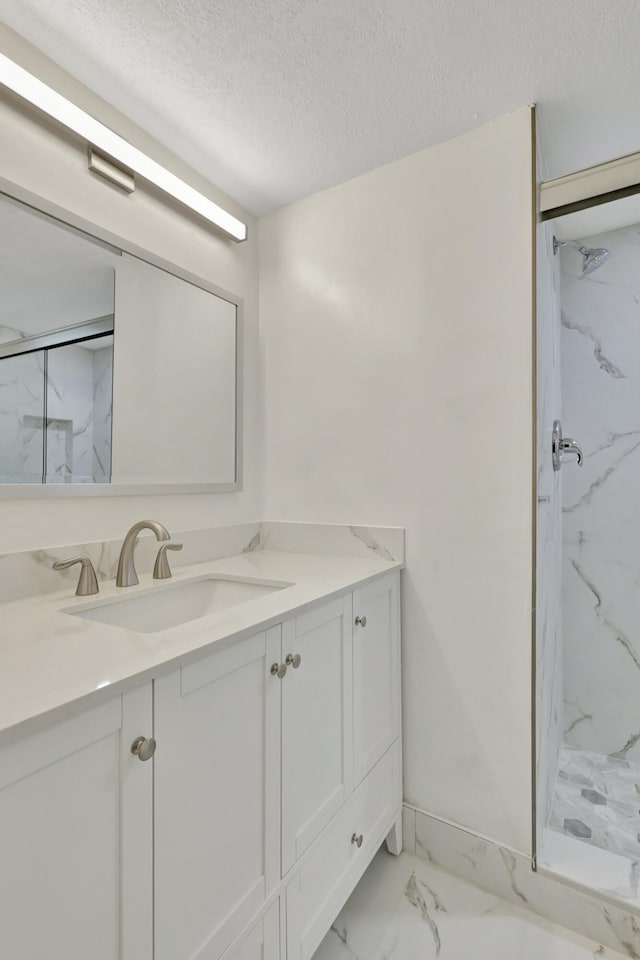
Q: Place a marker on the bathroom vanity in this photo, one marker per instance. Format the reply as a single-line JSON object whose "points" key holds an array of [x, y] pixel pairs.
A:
{"points": [[212, 789]]}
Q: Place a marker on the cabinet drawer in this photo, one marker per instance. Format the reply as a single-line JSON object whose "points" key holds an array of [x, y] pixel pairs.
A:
{"points": [[317, 893]]}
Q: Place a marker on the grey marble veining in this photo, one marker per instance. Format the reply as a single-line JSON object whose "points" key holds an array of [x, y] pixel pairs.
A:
{"points": [[509, 875], [102, 407], [21, 411], [30, 573], [597, 799], [407, 909], [69, 422], [78, 408], [334, 539], [601, 522]]}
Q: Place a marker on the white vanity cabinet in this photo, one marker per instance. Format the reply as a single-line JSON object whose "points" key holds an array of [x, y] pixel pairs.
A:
{"points": [[317, 741], [262, 939], [76, 837], [376, 671], [321, 886], [216, 797], [341, 853], [276, 777]]}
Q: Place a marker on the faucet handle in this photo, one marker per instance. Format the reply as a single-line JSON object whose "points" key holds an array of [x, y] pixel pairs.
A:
{"points": [[570, 446], [162, 570], [87, 582], [562, 445]]}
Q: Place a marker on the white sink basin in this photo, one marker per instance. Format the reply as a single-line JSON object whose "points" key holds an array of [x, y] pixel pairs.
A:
{"points": [[169, 606]]}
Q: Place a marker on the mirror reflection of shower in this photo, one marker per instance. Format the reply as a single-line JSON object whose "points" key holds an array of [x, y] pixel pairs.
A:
{"points": [[56, 350], [592, 257]]}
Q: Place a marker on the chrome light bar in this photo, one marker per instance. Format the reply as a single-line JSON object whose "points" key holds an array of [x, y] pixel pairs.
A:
{"points": [[25, 85]]}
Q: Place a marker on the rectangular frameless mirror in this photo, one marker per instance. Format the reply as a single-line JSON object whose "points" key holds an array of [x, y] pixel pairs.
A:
{"points": [[113, 370]]}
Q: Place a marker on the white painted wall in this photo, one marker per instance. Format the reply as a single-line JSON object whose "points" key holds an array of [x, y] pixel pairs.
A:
{"points": [[396, 330], [174, 368], [45, 160]]}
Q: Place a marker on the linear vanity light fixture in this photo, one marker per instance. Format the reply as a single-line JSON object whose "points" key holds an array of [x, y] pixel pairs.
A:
{"points": [[25, 85]]}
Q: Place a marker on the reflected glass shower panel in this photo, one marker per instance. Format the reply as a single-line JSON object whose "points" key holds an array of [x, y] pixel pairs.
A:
{"points": [[102, 410], [78, 415], [22, 402]]}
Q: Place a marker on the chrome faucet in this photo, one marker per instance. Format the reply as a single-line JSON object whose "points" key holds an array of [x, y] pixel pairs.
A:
{"points": [[127, 576]]}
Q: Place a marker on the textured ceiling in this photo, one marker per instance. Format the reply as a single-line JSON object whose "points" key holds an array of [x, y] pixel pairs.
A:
{"points": [[275, 99]]}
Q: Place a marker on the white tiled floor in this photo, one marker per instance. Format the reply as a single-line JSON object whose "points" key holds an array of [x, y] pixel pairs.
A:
{"points": [[406, 909]]}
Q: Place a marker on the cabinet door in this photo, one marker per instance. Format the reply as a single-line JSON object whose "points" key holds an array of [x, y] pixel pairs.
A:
{"points": [[317, 754], [216, 797], [262, 942], [376, 671], [320, 888], [75, 837]]}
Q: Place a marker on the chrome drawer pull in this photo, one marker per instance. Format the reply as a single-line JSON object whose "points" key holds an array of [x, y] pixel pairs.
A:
{"points": [[293, 660], [361, 621], [357, 839]]}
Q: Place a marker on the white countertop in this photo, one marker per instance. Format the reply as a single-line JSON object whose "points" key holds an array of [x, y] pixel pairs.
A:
{"points": [[50, 660]]}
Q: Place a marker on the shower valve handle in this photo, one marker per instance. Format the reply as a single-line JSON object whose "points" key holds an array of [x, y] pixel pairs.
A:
{"points": [[560, 446], [570, 446]]}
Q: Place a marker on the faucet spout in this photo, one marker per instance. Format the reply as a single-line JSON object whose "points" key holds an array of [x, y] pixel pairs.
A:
{"points": [[127, 576]]}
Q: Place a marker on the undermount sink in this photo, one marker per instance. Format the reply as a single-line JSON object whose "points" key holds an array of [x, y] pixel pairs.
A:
{"points": [[170, 606]]}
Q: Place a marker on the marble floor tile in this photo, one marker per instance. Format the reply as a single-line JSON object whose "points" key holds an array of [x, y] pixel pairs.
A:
{"points": [[597, 800], [404, 909]]}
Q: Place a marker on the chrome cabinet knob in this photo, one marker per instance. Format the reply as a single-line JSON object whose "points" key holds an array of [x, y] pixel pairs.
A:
{"points": [[361, 621], [357, 838], [278, 670], [143, 748], [293, 660]]}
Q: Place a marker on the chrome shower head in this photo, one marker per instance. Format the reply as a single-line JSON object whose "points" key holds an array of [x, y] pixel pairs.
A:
{"points": [[592, 257]]}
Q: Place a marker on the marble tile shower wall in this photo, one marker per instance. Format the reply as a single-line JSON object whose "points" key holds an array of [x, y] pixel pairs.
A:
{"points": [[601, 501], [549, 531], [102, 393], [70, 415], [78, 378], [21, 404]]}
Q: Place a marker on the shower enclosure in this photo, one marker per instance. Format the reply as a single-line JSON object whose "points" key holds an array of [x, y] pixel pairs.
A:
{"points": [[55, 405], [56, 350], [588, 550]]}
